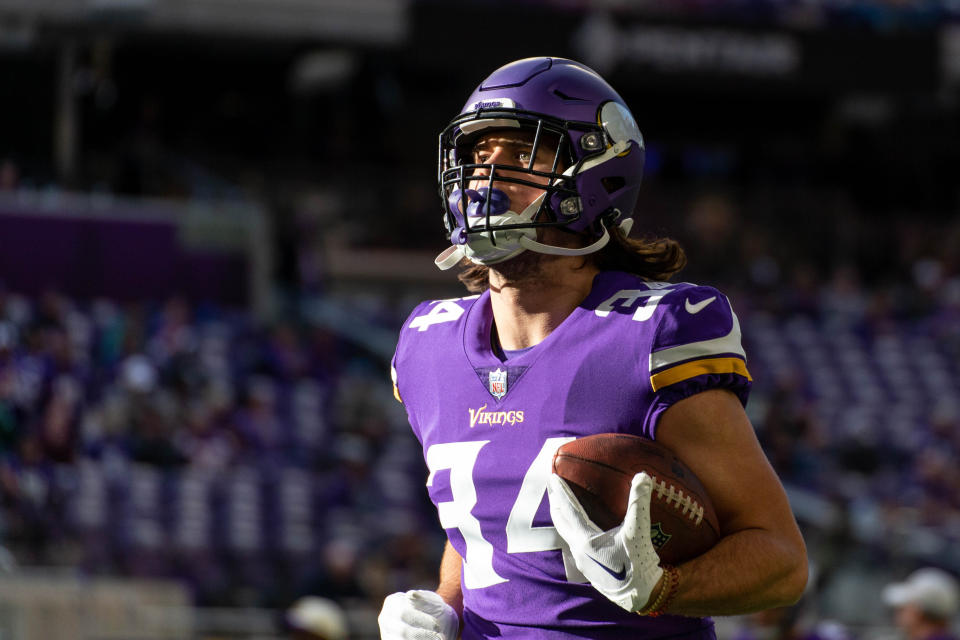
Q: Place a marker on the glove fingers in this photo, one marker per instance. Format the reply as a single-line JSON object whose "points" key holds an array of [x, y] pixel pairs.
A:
{"points": [[443, 619], [562, 512], [420, 621], [412, 633], [571, 521], [416, 615], [427, 602], [408, 633], [638, 505]]}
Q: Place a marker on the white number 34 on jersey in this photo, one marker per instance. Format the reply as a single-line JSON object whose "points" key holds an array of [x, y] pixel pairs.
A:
{"points": [[522, 537]]}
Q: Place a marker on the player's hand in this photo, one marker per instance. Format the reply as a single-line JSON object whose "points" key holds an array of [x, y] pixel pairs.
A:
{"points": [[621, 563], [417, 615]]}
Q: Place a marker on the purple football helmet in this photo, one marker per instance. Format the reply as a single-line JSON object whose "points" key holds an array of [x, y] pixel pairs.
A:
{"points": [[595, 175]]}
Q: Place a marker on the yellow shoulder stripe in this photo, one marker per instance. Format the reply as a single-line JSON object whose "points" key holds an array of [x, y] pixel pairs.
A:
{"points": [[698, 368], [393, 378]]}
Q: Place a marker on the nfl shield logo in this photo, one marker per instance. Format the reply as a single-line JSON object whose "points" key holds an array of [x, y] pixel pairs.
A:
{"points": [[658, 536], [498, 383]]}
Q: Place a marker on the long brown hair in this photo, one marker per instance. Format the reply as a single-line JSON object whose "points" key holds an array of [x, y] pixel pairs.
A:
{"points": [[649, 257]]}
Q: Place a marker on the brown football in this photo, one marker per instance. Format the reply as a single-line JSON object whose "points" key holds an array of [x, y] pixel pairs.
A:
{"points": [[599, 470]]}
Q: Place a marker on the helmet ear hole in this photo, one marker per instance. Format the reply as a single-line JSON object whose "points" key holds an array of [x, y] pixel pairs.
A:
{"points": [[613, 183]]}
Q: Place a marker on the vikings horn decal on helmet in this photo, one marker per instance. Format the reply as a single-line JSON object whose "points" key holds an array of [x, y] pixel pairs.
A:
{"points": [[596, 169]]}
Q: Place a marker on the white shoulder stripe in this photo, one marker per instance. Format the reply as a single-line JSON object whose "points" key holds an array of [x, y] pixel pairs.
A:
{"points": [[729, 343]]}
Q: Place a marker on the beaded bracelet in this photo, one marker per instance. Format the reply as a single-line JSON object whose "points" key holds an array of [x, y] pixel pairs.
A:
{"points": [[668, 589]]}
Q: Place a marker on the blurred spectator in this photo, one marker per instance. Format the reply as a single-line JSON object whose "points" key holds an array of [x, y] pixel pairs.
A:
{"points": [[313, 618], [340, 573], [924, 604], [9, 175]]}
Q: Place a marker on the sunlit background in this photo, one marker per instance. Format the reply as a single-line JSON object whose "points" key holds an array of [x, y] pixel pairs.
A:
{"points": [[215, 215]]}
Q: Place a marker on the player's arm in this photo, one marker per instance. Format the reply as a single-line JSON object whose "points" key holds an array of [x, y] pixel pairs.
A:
{"points": [[760, 561], [449, 588], [699, 378]]}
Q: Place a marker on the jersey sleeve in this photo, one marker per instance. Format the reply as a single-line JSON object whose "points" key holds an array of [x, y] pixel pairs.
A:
{"points": [[697, 347]]}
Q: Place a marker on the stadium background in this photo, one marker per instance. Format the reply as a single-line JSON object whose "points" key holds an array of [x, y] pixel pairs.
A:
{"points": [[215, 215]]}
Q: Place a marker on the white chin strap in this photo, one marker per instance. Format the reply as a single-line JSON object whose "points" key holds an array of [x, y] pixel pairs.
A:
{"points": [[454, 254], [510, 242], [539, 247]]}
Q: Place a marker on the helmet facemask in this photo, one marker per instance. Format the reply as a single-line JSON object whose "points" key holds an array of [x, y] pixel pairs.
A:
{"points": [[481, 222]]}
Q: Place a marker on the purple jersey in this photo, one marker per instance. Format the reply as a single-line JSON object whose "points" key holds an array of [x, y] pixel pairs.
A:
{"points": [[489, 430]]}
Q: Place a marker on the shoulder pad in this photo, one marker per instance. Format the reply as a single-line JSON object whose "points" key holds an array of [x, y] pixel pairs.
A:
{"points": [[436, 312], [698, 333], [693, 313]]}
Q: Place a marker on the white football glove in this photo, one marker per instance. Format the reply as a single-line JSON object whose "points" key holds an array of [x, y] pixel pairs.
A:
{"points": [[621, 563], [417, 615]]}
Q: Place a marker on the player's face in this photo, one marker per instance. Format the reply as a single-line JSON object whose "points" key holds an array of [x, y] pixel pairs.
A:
{"points": [[509, 148]]}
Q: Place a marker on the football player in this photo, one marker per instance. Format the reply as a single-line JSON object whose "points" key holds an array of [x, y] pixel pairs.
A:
{"points": [[574, 330]]}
